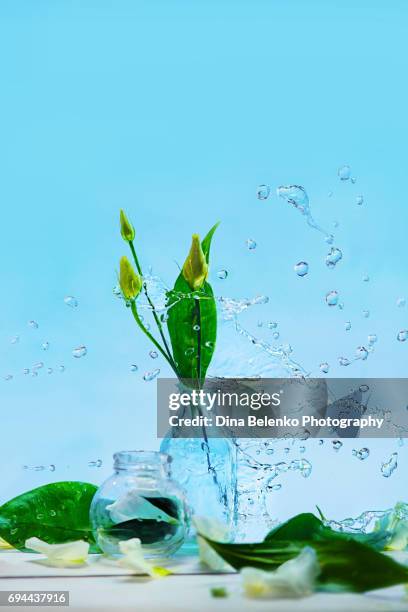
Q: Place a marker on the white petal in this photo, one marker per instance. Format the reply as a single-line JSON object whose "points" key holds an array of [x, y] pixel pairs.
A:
{"points": [[133, 558], [215, 531], [61, 555], [295, 578], [134, 506]]}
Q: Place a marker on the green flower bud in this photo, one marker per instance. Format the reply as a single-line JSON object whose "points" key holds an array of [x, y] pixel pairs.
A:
{"points": [[195, 269], [126, 228], [129, 281]]}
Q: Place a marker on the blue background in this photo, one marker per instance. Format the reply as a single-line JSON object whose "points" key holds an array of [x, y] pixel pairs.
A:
{"points": [[176, 111]]}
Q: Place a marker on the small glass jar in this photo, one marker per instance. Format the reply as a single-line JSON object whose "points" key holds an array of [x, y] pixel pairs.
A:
{"points": [[140, 501]]}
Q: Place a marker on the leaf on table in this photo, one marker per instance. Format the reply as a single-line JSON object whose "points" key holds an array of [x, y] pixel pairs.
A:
{"points": [[56, 513]]}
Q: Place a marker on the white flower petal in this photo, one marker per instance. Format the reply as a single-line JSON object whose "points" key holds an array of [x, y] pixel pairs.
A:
{"points": [[134, 506], [295, 578], [68, 554], [133, 558], [215, 531]]}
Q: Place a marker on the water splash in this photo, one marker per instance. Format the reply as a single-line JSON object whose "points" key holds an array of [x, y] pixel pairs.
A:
{"points": [[361, 454], [71, 301], [33, 324], [296, 196], [402, 335], [344, 172], [251, 244], [148, 376], [80, 351], [332, 298], [222, 274], [333, 257]]}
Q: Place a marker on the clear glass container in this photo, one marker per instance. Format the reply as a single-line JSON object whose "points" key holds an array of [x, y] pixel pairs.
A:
{"points": [[140, 500]]}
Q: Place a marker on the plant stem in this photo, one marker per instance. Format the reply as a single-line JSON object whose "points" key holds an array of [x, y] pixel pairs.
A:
{"points": [[168, 358], [155, 315]]}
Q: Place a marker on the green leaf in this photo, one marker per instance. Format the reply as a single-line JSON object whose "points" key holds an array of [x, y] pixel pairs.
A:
{"points": [[192, 324], [206, 243], [344, 563], [56, 513]]}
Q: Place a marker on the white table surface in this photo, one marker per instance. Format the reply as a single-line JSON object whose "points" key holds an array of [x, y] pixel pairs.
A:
{"points": [[102, 586]]}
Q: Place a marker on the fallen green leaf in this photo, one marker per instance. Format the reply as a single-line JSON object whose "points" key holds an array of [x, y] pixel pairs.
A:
{"points": [[56, 513]]}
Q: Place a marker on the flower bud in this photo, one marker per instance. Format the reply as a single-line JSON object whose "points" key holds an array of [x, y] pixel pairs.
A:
{"points": [[126, 228], [130, 282], [195, 269]]}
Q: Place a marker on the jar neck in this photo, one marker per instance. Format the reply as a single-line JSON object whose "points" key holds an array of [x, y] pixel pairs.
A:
{"points": [[143, 464]]}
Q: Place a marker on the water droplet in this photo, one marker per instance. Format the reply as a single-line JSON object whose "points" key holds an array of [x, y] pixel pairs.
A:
{"points": [[347, 325], [33, 324], [45, 346], [296, 196], [260, 324], [8, 377], [337, 444], [148, 376], [251, 244], [275, 487], [332, 298], [260, 299], [49, 370], [190, 351], [361, 353], [34, 373], [209, 344], [262, 192], [26, 371], [344, 173], [222, 274], [164, 317], [153, 354], [343, 361], [366, 314], [336, 224], [372, 338], [389, 466], [15, 339], [302, 449], [134, 368], [38, 365], [95, 464], [333, 257], [361, 454], [196, 328], [324, 367], [52, 469], [321, 442], [359, 200], [402, 335], [301, 268], [366, 278], [305, 468], [275, 335], [79, 351], [329, 239], [364, 388], [272, 325], [330, 194], [401, 302], [353, 180], [340, 305], [72, 302], [62, 368]]}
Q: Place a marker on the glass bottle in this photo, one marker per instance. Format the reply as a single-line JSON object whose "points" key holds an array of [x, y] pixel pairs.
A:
{"points": [[140, 500]]}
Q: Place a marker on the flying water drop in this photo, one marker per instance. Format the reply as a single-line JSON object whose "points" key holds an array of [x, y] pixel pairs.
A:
{"points": [[347, 325], [153, 354], [401, 302], [79, 351], [372, 338], [33, 324], [366, 314], [72, 302], [344, 173], [148, 376], [262, 192], [8, 377], [333, 257], [361, 353], [301, 268], [45, 346], [134, 368], [324, 367], [15, 340], [389, 466], [337, 444], [62, 368], [251, 244], [366, 278], [343, 361], [359, 200], [332, 297], [222, 274], [272, 325], [361, 454], [402, 335]]}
